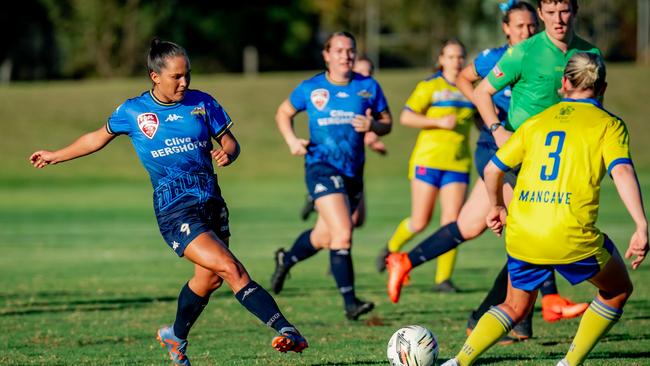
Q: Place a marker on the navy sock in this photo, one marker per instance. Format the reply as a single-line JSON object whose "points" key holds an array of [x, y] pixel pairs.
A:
{"points": [[341, 265], [549, 287], [301, 249], [443, 240], [261, 304], [190, 306]]}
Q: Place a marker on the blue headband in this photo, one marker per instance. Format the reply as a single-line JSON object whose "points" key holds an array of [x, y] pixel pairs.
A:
{"points": [[504, 7]]}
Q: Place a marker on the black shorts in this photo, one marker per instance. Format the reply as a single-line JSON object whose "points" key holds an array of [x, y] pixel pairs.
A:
{"points": [[180, 227], [323, 179], [486, 147]]}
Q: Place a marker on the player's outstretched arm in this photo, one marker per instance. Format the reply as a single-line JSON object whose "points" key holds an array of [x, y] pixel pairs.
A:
{"points": [[628, 189], [483, 102], [229, 150], [284, 120], [84, 145], [496, 218]]}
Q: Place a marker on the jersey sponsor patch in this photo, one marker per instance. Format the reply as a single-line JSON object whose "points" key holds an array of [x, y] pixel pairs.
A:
{"points": [[148, 124], [497, 71], [320, 97]]}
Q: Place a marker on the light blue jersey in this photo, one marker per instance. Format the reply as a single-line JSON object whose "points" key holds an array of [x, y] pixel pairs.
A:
{"points": [[331, 108], [173, 142]]}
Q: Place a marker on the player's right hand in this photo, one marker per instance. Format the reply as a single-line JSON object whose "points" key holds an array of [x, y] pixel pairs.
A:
{"points": [[496, 219], [42, 158], [447, 122], [638, 247], [298, 147]]}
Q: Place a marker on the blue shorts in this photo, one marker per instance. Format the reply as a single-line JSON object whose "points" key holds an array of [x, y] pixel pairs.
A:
{"points": [[180, 227], [529, 277], [439, 178], [486, 147], [323, 179]]}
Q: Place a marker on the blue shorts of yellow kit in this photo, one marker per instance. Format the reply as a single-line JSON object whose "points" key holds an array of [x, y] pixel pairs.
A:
{"points": [[180, 227], [439, 178], [486, 147], [529, 277], [323, 179]]}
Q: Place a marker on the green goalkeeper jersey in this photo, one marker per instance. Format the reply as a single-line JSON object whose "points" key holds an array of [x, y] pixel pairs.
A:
{"points": [[534, 69]]}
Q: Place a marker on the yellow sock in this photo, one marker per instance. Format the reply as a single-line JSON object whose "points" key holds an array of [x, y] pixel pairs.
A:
{"points": [[596, 321], [401, 236], [445, 266], [493, 325]]}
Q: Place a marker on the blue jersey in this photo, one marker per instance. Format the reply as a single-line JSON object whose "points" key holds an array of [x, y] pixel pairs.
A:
{"points": [[483, 64], [331, 108], [173, 142]]}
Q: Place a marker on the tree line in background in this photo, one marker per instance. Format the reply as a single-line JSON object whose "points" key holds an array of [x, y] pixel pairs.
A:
{"points": [[54, 39]]}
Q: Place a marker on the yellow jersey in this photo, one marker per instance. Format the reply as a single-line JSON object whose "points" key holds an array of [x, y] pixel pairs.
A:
{"points": [[564, 153], [438, 148]]}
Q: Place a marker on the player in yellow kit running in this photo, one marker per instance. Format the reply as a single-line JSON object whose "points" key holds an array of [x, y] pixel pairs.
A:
{"points": [[564, 153], [440, 162]]}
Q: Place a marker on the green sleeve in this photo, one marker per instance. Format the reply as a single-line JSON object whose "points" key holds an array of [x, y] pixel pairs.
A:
{"points": [[508, 70]]}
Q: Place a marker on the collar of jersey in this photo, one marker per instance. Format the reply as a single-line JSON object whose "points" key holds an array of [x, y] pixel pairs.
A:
{"points": [[157, 101], [585, 100], [556, 48], [327, 77]]}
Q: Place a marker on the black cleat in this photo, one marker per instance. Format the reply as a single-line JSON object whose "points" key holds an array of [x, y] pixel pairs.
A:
{"points": [[308, 208], [445, 286], [353, 312], [380, 262], [281, 271]]}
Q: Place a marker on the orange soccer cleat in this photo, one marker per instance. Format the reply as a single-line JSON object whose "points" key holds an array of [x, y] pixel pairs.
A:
{"points": [[399, 266], [555, 307], [289, 339]]}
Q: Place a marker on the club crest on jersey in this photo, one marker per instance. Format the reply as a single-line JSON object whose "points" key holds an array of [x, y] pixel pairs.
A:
{"points": [[319, 98], [497, 71], [148, 124], [198, 111]]}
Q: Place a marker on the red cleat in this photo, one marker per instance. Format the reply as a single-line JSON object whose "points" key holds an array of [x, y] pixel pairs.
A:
{"points": [[555, 307], [399, 266], [289, 339]]}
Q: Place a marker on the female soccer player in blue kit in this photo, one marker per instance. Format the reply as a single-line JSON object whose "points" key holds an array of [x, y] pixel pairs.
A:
{"points": [[342, 106], [564, 153], [171, 128]]}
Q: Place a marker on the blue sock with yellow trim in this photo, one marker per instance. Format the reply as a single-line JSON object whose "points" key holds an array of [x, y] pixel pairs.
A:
{"points": [[596, 322], [493, 325]]}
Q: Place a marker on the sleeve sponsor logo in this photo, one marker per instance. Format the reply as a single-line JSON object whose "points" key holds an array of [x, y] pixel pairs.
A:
{"points": [[364, 94], [319, 98], [497, 71], [198, 111], [148, 124]]}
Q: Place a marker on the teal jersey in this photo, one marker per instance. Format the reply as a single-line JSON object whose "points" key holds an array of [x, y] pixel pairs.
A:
{"points": [[534, 69]]}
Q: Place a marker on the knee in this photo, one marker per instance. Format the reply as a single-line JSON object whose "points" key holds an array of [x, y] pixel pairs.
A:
{"points": [[213, 283], [341, 240], [417, 226], [469, 231]]}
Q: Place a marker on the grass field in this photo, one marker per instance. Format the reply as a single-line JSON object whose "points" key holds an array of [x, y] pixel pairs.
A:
{"points": [[86, 279]]}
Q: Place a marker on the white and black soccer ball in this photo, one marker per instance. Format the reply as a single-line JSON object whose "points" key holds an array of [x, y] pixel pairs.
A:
{"points": [[412, 345]]}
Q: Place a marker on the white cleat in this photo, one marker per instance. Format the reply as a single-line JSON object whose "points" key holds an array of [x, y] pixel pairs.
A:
{"points": [[451, 362], [563, 362]]}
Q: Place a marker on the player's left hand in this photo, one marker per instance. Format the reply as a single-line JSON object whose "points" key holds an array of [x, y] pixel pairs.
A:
{"points": [[363, 123], [221, 157], [496, 219], [638, 247], [374, 143]]}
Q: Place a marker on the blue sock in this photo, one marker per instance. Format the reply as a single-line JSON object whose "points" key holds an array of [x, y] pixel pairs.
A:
{"points": [[301, 249], [190, 306], [443, 240], [261, 304], [341, 265], [549, 287]]}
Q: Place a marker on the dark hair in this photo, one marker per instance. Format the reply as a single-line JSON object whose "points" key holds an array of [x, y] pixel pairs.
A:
{"points": [[328, 41], [574, 3], [520, 6], [446, 43], [160, 51]]}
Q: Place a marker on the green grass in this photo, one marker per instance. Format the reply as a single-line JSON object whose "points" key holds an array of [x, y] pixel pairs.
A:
{"points": [[86, 279]]}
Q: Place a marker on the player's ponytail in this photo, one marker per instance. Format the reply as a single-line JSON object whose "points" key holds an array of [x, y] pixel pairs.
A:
{"points": [[586, 70], [160, 51]]}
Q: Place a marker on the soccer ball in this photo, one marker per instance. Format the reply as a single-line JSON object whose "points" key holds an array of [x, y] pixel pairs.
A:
{"points": [[412, 345]]}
